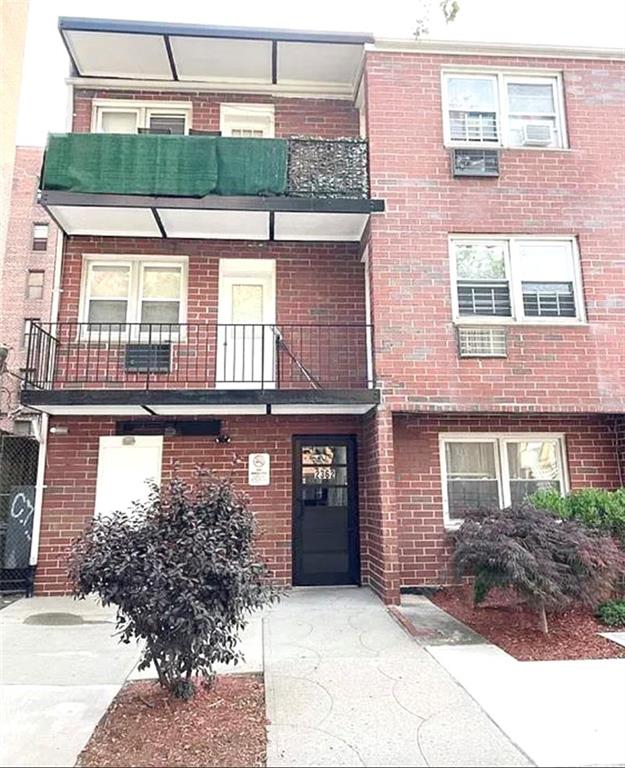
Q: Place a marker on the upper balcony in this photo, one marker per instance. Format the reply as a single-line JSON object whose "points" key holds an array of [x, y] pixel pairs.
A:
{"points": [[210, 187]]}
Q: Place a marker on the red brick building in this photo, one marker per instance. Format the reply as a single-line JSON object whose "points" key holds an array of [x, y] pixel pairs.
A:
{"points": [[27, 279], [376, 283]]}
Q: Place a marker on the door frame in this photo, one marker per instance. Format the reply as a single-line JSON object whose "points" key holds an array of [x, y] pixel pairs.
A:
{"points": [[349, 440], [251, 271]]}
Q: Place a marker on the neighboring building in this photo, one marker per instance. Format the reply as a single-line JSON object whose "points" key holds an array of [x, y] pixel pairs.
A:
{"points": [[13, 24], [26, 286], [412, 304]]}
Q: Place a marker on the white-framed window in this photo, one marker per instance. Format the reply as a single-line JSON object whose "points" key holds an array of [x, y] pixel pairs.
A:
{"points": [[503, 109], [148, 293], [256, 121], [516, 279], [131, 116], [490, 471]]}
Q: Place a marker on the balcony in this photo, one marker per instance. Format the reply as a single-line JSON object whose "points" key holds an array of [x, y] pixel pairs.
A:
{"points": [[208, 187], [169, 369]]}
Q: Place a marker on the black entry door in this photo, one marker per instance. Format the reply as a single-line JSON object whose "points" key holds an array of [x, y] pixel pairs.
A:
{"points": [[325, 515]]}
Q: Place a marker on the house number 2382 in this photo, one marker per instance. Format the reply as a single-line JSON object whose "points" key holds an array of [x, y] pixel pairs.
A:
{"points": [[325, 473]]}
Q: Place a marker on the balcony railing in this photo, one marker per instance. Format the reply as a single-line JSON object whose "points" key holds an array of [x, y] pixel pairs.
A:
{"points": [[200, 165], [69, 355]]}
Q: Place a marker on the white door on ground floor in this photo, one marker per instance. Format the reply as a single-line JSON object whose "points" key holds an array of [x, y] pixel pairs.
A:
{"points": [[247, 335], [125, 465]]}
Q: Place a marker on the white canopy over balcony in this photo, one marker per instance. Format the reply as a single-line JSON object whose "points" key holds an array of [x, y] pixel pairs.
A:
{"points": [[103, 48]]}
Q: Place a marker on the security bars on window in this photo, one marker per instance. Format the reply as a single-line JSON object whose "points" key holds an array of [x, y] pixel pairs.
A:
{"points": [[517, 278]]}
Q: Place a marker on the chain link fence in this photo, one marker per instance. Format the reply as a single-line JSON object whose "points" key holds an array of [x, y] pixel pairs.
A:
{"points": [[18, 475]]}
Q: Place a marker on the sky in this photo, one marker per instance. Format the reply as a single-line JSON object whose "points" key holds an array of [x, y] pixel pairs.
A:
{"points": [[43, 105]]}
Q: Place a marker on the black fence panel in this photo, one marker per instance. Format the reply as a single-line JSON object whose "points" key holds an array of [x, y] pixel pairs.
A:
{"points": [[18, 475]]}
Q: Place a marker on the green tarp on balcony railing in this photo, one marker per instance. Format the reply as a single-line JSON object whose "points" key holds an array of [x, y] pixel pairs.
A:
{"points": [[182, 166]]}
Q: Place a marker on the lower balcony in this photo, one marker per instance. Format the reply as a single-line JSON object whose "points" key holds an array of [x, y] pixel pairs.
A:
{"points": [[171, 369]]}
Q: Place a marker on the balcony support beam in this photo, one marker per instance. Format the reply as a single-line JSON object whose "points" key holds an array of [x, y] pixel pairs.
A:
{"points": [[214, 202], [159, 223]]}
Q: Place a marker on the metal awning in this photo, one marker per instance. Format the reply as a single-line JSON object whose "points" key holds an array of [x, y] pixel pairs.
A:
{"points": [[211, 217], [108, 48]]}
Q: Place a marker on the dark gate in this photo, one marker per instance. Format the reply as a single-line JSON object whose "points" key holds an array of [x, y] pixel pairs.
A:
{"points": [[18, 477]]}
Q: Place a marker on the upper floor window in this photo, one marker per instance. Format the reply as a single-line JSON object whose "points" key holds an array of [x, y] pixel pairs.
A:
{"points": [[131, 290], [40, 236], [34, 284], [247, 120], [487, 471], [130, 116], [503, 109], [525, 279]]}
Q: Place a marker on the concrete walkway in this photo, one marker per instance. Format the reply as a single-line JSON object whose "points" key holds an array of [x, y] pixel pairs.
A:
{"points": [[60, 669], [346, 686], [561, 713]]}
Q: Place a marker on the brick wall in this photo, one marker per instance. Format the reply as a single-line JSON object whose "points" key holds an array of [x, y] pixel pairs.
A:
{"points": [[19, 257], [576, 192], [424, 547], [325, 118], [317, 284], [69, 497]]}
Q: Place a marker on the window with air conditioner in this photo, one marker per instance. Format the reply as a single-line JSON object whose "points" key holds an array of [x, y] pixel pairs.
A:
{"points": [[130, 116], [501, 109], [516, 279], [134, 298], [490, 471], [252, 121]]}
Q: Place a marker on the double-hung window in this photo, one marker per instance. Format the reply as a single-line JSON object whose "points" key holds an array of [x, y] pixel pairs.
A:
{"points": [[525, 279], [486, 471], [503, 109], [130, 116], [134, 297]]}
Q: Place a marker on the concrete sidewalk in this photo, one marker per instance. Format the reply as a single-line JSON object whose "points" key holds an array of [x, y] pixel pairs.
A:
{"points": [[346, 686], [561, 713], [61, 668]]}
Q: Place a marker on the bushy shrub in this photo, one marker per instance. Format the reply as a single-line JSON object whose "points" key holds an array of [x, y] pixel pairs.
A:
{"points": [[182, 571], [595, 507], [612, 613], [551, 563]]}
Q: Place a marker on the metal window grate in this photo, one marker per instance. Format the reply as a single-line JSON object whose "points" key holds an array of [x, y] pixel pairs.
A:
{"points": [[475, 162], [488, 298], [473, 126], [482, 342], [549, 299]]}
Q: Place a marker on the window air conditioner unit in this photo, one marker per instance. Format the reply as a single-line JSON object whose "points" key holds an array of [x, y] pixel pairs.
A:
{"points": [[148, 358], [537, 134], [475, 162], [482, 342]]}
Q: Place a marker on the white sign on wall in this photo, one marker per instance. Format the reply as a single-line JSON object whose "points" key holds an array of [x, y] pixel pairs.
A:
{"points": [[258, 469]]}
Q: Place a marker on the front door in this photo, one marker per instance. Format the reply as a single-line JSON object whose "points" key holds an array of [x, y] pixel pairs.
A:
{"points": [[325, 514], [247, 335]]}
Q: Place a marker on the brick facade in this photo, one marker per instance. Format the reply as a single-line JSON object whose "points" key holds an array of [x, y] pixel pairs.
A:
{"points": [[72, 470], [424, 545], [19, 258], [556, 378], [324, 118], [574, 192]]}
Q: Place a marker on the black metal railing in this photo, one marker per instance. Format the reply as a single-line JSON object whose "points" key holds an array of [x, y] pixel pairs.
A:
{"points": [[192, 355]]}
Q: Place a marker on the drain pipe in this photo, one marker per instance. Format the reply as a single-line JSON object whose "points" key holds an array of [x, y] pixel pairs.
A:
{"points": [[619, 455], [44, 418], [54, 314]]}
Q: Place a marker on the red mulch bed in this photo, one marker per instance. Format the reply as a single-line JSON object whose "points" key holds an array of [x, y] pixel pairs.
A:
{"points": [[145, 726], [505, 621]]}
